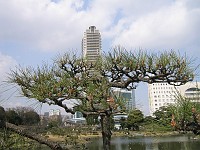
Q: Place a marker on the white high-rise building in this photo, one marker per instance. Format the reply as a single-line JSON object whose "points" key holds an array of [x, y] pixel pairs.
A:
{"points": [[163, 94], [91, 44], [160, 94]]}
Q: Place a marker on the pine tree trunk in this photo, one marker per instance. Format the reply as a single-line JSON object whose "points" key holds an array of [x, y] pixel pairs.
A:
{"points": [[106, 131]]}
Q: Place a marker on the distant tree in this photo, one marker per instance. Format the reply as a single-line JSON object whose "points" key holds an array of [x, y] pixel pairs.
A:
{"points": [[149, 120], [163, 116], [21, 111], [2, 117], [53, 123], [92, 119], [135, 117], [22, 116], [186, 112], [122, 123], [13, 117], [91, 83], [31, 118], [7, 141]]}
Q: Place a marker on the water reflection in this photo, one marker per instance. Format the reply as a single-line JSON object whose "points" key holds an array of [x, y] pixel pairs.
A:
{"points": [[182, 142]]}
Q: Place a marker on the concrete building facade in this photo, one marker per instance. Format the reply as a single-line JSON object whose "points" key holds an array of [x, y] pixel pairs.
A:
{"points": [[91, 44], [53, 112], [127, 95], [163, 94]]}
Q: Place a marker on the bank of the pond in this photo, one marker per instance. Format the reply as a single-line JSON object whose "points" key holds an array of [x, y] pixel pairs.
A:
{"points": [[86, 137], [133, 134], [79, 141], [163, 142]]}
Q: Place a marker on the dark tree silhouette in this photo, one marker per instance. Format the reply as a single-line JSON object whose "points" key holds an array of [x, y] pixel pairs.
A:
{"points": [[2, 117], [13, 117]]}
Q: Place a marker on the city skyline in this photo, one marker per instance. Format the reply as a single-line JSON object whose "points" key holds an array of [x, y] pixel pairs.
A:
{"points": [[34, 32]]}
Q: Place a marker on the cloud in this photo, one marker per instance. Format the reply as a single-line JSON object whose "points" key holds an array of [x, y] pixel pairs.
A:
{"points": [[6, 63], [44, 24], [52, 25], [174, 26]]}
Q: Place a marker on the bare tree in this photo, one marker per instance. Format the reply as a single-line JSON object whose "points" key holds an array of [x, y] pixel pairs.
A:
{"points": [[90, 84]]}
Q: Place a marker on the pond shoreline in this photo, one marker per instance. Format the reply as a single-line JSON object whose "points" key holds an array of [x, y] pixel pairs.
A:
{"points": [[88, 138], [84, 139], [175, 141], [136, 133]]}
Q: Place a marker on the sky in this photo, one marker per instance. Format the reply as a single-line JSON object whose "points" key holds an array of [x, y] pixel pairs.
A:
{"points": [[35, 31]]}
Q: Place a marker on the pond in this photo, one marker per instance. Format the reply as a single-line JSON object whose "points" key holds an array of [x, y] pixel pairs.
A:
{"points": [[178, 142]]}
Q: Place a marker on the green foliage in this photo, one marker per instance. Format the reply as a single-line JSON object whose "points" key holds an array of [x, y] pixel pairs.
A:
{"points": [[71, 77], [53, 124], [90, 84], [135, 118], [71, 139], [10, 140], [31, 118], [92, 120], [184, 110], [149, 120], [156, 127], [55, 130], [163, 116], [13, 117], [22, 116], [2, 117]]}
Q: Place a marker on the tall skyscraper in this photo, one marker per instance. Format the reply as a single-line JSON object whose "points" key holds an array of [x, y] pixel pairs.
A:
{"points": [[91, 50], [91, 44], [163, 94]]}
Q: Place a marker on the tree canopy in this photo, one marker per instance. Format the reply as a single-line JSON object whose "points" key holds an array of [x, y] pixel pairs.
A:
{"points": [[22, 116], [72, 77], [13, 117], [135, 117], [2, 117]]}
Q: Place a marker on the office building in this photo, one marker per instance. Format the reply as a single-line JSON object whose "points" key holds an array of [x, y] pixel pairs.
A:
{"points": [[54, 112], [91, 44], [163, 94], [127, 95], [91, 50], [191, 90], [78, 115]]}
